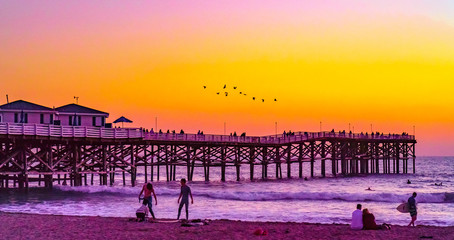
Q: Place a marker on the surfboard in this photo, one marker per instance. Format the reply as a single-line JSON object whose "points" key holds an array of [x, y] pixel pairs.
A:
{"points": [[164, 220], [403, 208]]}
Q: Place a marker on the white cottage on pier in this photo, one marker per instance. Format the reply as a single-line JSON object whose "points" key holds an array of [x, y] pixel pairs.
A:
{"points": [[77, 115], [21, 111]]}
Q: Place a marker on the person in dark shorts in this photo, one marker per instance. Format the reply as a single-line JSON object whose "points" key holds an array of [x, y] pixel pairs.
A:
{"points": [[147, 190], [184, 196], [412, 209]]}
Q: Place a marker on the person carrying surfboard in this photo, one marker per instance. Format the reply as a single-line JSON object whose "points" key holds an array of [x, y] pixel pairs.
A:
{"points": [[412, 209]]}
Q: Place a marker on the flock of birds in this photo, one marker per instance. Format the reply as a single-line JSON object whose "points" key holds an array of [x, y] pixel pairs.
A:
{"points": [[234, 88]]}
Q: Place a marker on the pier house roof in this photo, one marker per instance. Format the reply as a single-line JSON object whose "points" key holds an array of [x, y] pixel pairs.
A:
{"points": [[21, 105], [75, 108]]}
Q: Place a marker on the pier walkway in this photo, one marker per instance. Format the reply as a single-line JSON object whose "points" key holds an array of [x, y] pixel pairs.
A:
{"points": [[49, 154]]}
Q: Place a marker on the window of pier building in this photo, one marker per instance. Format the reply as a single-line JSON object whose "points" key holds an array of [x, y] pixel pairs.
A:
{"points": [[21, 117], [75, 120], [98, 121]]}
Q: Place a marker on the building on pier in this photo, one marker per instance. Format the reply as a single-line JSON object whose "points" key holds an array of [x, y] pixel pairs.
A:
{"points": [[21, 111], [77, 115], [24, 112]]}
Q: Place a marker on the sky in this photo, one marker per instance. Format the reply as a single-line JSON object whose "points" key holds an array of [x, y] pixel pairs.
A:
{"points": [[381, 65]]}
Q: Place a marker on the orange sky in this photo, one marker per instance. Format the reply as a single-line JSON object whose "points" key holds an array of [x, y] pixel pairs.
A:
{"points": [[364, 64]]}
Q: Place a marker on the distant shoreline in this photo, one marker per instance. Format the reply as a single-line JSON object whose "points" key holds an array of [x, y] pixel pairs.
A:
{"points": [[34, 226]]}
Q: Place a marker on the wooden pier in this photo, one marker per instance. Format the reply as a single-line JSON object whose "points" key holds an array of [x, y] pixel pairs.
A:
{"points": [[76, 155]]}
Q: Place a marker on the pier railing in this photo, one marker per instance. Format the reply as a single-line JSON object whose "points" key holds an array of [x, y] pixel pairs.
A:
{"points": [[273, 139], [68, 131], [125, 133]]}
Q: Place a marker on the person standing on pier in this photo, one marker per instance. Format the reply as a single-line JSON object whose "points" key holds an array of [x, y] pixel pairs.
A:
{"points": [[184, 196], [147, 190], [412, 208]]}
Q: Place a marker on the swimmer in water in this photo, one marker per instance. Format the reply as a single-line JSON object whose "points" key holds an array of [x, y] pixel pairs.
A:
{"points": [[369, 189], [408, 182]]}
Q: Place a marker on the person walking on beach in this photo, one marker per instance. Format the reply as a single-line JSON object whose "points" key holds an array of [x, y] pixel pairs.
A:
{"points": [[357, 218], [184, 196], [147, 190], [412, 209]]}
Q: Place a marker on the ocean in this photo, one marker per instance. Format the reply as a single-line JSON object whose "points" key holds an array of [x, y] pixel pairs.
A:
{"points": [[317, 200]]}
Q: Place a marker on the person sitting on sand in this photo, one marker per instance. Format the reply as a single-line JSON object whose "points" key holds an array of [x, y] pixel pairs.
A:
{"points": [[147, 190], [412, 209], [357, 218], [184, 196], [369, 222], [142, 212]]}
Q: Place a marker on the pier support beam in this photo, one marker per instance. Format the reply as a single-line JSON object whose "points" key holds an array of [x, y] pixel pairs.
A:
{"points": [[312, 158], [414, 159], [323, 155], [289, 161], [223, 159], [300, 160]]}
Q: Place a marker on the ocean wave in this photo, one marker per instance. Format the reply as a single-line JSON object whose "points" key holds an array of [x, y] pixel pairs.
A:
{"points": [[325, 196], [271, 196]]}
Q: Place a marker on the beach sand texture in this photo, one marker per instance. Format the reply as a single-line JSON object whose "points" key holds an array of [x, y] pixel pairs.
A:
{"points": [[30, 226]]}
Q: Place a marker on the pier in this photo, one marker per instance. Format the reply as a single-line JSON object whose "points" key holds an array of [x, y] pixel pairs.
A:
{"points": [[46, 154]]}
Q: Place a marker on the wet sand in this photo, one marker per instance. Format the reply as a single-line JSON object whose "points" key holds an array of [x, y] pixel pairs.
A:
{"points": [[31, 226]]}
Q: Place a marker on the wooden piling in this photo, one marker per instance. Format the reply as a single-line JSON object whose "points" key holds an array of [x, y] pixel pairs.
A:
{"points": [[333, 158], [223, 160], [152, 162], [312, 158], [145, 161]]}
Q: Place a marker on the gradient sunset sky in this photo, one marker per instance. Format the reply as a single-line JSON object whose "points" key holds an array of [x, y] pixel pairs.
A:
{"points": [[385, 63]]}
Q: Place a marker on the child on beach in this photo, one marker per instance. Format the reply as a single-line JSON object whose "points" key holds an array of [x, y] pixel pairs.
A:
{"points": [[185, 192], [142, 212], [147, 190]]}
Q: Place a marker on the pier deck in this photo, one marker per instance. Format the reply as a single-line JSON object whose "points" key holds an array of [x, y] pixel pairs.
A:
{"points": [[56, 154]]}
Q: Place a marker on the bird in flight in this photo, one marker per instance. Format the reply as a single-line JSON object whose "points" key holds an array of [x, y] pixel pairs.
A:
{"points": [[241, 93]]}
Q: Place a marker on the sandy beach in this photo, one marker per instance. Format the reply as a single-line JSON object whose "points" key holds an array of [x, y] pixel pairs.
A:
{"points": [[30, 226]]}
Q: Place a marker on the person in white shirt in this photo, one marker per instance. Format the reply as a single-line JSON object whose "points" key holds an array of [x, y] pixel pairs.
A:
{"points": [[142, 212], [357, 218]]}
